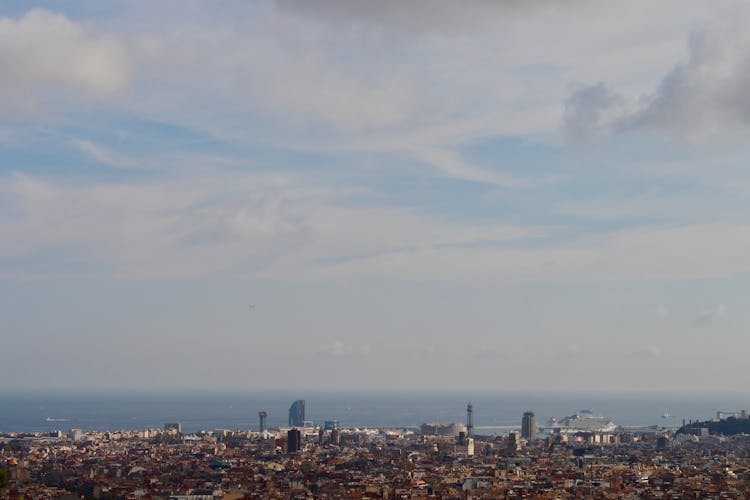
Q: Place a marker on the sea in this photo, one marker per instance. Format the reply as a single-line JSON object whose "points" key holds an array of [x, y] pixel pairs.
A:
{"points": [[494, 412]]}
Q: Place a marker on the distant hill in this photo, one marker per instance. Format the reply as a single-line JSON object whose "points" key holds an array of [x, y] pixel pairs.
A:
{"points": [[728, 427]]}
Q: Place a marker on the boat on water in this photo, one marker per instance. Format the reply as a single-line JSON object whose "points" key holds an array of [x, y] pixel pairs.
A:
{"points": [[583, 421]]}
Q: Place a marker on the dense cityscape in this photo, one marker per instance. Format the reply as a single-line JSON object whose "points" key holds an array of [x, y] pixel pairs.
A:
{"points": [[387, 249], [583, 455]]}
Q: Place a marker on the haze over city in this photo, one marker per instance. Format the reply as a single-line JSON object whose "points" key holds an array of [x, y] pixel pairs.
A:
{"points": [[328, 195]]}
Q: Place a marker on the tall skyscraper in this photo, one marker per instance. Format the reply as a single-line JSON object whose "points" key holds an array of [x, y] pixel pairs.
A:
{"points": [[528, 426], [293, 441], [469, 420], [297, 413], [262, 417]]}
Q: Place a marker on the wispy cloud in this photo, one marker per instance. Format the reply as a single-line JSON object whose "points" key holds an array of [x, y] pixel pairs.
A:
{"points": [[452, 165], [646, 352], [707, 316], [340, 349], [285, 230], [193, 229], [104, 156]]}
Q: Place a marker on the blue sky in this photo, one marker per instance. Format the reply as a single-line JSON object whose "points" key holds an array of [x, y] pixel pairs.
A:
{"points": [[414, 194]]}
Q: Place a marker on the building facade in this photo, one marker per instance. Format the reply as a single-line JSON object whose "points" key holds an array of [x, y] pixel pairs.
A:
{"points": [[528, 426], [262, 415], [297, 413], [293, 441]]}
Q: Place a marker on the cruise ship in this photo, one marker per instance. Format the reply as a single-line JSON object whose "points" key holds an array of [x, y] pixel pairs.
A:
{"points": [[583, 421]]}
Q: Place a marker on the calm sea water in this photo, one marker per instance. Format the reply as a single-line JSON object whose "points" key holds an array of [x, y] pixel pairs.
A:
{"points": [[239, 410]]}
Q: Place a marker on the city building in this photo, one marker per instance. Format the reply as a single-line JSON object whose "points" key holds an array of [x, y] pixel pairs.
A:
{"points": [[297, 413], [335, 437], [464, 445], [172, 427], [512, 443], [438, 429], [293, 441], [262, 415], [330, 425], [648, 462], [528, 426]]}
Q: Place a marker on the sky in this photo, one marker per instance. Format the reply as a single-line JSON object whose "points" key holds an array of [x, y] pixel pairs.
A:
{"points": [[412, 194]]}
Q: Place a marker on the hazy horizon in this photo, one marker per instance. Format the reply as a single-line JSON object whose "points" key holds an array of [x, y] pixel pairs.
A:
{"points": [[342, 195], [309, 393], [27, 412]]}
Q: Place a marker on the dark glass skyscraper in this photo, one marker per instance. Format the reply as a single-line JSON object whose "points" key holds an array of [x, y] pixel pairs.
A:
{"points": [[293, 441], [297, 413], [528, 426]]}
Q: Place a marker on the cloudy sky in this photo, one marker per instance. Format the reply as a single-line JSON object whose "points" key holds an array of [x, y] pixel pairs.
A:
{"points": [[413, 194]]}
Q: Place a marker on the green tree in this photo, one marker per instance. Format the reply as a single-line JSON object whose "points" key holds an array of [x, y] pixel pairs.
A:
{"points": [[3, 479]]}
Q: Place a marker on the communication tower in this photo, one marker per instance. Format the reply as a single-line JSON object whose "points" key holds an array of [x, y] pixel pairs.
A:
{"points": [[469, 420]]}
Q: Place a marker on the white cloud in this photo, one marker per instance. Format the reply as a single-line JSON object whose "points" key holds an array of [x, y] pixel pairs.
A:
{"points": [[701, 98], [43, 50], [337, 348], [662, 311], [340, 349]]}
